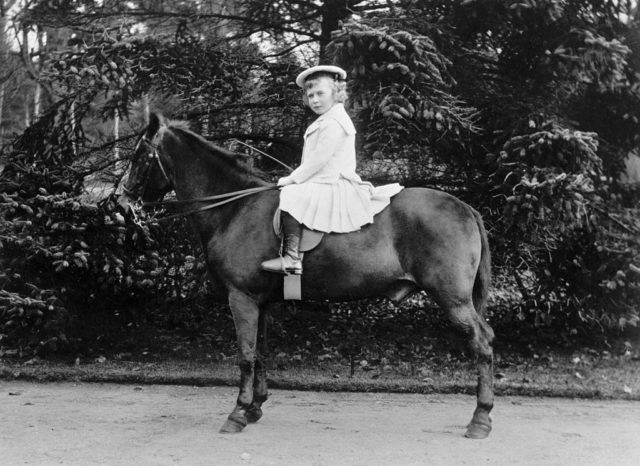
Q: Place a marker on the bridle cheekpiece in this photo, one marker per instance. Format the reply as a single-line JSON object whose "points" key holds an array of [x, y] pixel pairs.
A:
{"points": [[145, 170]]}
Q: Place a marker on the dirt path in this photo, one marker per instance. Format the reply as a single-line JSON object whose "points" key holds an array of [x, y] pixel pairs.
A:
{"points": [[82, 424]]}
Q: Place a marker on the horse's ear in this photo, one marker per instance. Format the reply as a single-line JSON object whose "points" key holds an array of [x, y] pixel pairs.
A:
{"points": [[155, 121]]}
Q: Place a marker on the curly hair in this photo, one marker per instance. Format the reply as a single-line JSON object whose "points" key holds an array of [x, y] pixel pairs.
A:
{"points": [[339, 87]]}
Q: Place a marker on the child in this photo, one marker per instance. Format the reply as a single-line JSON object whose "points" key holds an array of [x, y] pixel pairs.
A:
{"points": [[324, 193]]}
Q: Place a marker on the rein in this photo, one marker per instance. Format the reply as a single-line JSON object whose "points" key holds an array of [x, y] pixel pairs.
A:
{"points": [[228, 197]]}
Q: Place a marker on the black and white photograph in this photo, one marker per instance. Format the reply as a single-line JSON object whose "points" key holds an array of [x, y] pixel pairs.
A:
{"points": [[320, 232]]}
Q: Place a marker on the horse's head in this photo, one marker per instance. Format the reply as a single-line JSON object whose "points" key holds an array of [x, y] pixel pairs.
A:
{"points": [[170, 156], [148, 177]]}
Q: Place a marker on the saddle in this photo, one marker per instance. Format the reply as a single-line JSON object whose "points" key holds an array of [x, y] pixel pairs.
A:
{"points": [[309, 240]]}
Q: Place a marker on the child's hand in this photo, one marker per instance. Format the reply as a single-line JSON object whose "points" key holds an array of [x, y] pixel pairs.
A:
{"points": [[284, 181]]}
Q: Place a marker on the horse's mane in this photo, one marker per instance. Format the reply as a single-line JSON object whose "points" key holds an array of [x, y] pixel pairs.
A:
{"points": [[238, 161]]}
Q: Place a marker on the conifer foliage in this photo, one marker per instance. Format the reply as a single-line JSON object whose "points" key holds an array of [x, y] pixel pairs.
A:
{"points": [[527, 109]]}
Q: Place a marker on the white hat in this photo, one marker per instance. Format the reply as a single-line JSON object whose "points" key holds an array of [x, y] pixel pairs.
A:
{"points": [[302, 77]]}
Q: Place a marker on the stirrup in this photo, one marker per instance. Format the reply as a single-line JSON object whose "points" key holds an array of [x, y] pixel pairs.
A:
{"points": [[295, 269], [279, 265]]}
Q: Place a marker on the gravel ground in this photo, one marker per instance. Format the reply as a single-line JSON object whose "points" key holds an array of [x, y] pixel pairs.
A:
{"points": [[83, 424]]}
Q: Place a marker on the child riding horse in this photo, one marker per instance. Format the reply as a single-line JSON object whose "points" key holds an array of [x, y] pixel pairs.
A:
{"points": [[325, 193]]}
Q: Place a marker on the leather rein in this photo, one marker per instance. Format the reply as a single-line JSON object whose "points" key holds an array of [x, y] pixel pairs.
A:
{"points": [[222, 199], [228, 197]]}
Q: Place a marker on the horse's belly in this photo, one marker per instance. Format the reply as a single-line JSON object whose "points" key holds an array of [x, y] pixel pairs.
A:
{"points": [[346, 290], [351, 267]]}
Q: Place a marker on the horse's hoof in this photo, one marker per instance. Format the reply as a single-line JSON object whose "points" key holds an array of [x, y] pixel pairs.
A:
{"points": [[254, 415], [477, 431], [234, 424]]}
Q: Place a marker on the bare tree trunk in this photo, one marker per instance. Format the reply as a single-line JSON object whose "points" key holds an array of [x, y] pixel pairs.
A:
{"points": [[120, 166], [147, 108], [26, 58], [37, 95], [5, 5], [4, 48], [2, 91], [37, 100], [333, 11], [116, 135], [73, 128], [32, 69], [27, 113]]}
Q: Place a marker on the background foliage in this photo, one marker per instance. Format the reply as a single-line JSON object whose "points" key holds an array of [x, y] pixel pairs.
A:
{"points": [[526, 109]]}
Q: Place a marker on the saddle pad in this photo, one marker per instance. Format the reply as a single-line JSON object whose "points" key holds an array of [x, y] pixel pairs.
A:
{"points": [[309, 239]]}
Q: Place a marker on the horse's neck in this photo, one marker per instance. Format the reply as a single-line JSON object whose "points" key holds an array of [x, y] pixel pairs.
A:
{"points": [[209, 174], [209, 177]]}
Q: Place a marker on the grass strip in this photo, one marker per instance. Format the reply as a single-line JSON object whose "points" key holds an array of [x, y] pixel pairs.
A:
{"points": [[610, 382]]}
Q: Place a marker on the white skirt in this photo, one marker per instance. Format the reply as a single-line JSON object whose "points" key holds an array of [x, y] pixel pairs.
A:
{"points": [[338, 207]]}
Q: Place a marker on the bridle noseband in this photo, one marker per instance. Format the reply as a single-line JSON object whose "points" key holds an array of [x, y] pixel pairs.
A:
{"points": [[152, 156]]}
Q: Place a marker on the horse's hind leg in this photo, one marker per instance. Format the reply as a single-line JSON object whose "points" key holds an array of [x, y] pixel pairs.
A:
{"points": [[245, 317], [260, 372], [480, 336]]}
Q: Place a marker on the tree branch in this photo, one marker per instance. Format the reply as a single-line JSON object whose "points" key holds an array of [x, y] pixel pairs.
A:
{"points": [[7, 76], [629, 228], [76, 20], [289, 49]]}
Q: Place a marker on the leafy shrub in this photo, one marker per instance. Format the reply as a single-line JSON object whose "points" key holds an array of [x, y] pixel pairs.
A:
{"points": [[584, 281], [65, 263]]}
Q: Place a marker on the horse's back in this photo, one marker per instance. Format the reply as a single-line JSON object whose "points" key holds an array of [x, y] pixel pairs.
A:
{"points": [[416, 214], [420, 233], [434, 213]]}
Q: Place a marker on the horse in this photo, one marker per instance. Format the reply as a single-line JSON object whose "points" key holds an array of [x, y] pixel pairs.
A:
{"points": [[424, 240]]}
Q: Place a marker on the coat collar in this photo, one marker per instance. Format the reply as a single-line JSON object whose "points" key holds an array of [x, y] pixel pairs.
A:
{"points": [[338, 113]]}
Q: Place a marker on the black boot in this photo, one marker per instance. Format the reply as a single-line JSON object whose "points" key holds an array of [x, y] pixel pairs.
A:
{"points": [[290, 262]]}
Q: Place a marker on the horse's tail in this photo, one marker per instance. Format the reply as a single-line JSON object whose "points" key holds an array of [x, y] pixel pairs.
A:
{"points": [[483, 275]]}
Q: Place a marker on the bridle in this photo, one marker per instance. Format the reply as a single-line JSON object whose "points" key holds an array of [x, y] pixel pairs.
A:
{"points": [[154, 156], [143, 177]]}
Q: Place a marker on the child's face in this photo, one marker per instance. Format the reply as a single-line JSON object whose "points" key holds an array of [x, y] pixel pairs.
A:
{"points": [[320, 95]]}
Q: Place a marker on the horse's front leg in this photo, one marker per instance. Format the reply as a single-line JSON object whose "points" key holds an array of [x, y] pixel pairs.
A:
{"points": [[246, 314], [260, 371]]}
